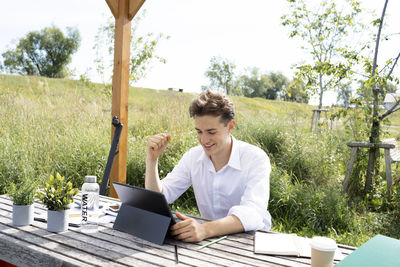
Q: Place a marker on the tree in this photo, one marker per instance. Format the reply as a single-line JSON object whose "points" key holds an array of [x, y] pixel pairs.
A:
{"points": [[265, 85], [344, 94], [377, 83], [276, 84], [324, 29], [387, 87], [390, 88], [251, 83], [370, 95], [43, 53], [142, 51], [296, 92], [221, 74]]}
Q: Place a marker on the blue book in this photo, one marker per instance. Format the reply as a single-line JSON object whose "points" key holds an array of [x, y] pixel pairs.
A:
{"points": [[379, 251]]}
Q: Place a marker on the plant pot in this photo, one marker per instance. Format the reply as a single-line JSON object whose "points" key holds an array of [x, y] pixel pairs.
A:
{"points": [[22, 215], [57, 221]]}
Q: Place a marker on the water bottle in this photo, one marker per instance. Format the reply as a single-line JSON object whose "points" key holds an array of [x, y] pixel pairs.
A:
{"points": [[90, 205]]}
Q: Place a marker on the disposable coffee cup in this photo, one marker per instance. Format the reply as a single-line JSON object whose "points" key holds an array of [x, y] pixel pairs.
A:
{"points": [[322, 251]]}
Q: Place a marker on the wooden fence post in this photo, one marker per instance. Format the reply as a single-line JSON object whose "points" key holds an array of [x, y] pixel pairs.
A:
{"points": [[349, 168]]}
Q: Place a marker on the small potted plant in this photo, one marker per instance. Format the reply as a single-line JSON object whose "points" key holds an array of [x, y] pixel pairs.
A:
{"points": [[22, 194], [57, 195]]}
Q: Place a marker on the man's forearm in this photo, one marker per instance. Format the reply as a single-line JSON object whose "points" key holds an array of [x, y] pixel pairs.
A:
{"points": [[227, 225], [152, 180]]}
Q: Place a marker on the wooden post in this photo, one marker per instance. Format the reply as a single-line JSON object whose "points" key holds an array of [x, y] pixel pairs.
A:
{"points": [[388, 163], [349, 168], [123, 11], [312, 120], [317, 115]]}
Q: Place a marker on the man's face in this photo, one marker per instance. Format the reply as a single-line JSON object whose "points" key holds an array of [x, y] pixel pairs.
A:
{"points": [[213, 135]]}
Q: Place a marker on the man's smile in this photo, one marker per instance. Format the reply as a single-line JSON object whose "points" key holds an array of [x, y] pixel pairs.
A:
{"points": [[208, 146]]}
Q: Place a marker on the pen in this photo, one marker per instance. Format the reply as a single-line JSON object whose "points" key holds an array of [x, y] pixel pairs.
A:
{"points": [[213, 242], [176, 254]]}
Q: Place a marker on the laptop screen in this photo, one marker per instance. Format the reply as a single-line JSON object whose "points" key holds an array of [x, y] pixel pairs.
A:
{"points": [[144, 199]]}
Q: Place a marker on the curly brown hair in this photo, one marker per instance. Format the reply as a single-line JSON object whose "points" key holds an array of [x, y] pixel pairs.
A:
{"points": [[214, 104]]}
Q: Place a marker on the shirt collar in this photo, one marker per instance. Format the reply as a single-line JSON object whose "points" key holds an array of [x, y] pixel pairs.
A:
{"points": [[234, 159]]}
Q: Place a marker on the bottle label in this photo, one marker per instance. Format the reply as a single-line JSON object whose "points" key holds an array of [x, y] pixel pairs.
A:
{"points": [[89, 207], [84, 207]]}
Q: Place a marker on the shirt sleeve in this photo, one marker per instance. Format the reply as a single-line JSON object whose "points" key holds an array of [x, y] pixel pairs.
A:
{"points": [[252, 210], [177, 181]]}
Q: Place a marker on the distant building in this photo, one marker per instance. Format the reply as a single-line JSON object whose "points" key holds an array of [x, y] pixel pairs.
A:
{"points": [[390, 99]]}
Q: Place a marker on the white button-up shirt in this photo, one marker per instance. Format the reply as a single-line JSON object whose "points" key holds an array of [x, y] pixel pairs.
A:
{"points": [[240, 188]]}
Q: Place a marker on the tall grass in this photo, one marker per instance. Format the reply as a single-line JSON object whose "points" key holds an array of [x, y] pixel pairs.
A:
{"points": [[48, 128], [53, 125]]}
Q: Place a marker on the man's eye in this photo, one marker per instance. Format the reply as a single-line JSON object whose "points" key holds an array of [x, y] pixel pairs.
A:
{"points": [[211, 132]]}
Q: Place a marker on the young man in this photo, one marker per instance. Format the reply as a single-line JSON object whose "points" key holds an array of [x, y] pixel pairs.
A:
{"points": [[230, 178]]}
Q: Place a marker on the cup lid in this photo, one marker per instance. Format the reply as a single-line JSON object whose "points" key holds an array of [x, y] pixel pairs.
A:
{"points": [[323, 243]]}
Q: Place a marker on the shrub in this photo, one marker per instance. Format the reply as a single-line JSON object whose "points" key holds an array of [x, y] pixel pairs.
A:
{"points": [[306, 157], [300, 207], [268, 137]]}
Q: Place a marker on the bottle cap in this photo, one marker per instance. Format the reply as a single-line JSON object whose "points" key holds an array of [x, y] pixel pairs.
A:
{"points": [[91, 179]]}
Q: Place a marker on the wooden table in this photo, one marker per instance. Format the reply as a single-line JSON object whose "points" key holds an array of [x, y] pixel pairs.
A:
{"points": [[34, 246]]}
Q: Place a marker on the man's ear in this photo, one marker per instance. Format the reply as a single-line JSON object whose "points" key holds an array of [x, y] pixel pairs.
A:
{"points": [[231, 125]]}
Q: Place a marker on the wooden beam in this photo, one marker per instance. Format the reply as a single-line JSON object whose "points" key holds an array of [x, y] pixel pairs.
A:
{"points": [[359, 144], [368, 145], [113, 5], [123, 11], [120, 91], [134, 6]]}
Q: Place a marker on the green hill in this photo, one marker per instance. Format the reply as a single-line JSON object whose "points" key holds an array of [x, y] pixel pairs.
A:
{"points": [[60, 103], [141, 100], [47, 122]]}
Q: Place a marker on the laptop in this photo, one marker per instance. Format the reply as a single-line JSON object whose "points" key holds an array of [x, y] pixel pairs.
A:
{"points": [[144, 199]]}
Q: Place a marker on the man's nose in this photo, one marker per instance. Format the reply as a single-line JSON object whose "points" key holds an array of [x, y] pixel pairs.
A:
{"points": [[204, 138]]}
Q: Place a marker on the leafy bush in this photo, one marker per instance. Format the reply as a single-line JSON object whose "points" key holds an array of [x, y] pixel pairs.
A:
{"points": [[306, 157], [297, 206], [267, 136]]}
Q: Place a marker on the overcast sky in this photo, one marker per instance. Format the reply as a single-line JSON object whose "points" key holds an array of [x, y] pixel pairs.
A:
{"points": [[248, 33]]}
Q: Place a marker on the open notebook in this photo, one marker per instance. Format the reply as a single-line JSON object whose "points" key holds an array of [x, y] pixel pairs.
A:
{"points": [[285, 244]]}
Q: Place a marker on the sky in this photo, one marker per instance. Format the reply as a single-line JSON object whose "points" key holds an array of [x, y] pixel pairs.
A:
{"points": [[249, 33]]}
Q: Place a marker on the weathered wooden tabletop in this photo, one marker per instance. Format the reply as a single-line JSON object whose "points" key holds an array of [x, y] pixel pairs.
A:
{"points": [[34, 246]]}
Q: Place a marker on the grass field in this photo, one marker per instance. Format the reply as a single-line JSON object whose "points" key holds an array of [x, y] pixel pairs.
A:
{"points": [[58, 125]]}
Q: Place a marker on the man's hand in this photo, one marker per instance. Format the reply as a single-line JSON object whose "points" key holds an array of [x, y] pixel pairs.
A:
{"points": [[156, 145], [188, 230]]}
